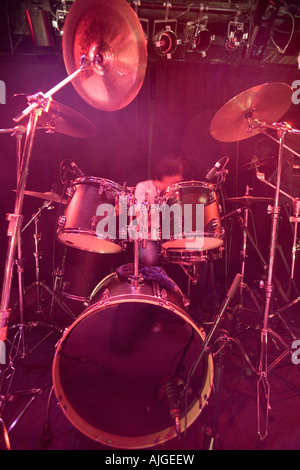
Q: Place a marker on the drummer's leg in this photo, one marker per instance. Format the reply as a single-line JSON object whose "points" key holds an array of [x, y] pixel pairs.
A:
{"points": [[207, 288], [149, 254]]}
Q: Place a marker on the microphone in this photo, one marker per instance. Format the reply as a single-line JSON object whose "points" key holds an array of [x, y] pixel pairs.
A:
{"points": [[237, 211], [215, 168], [76, 170], [171, 392]]}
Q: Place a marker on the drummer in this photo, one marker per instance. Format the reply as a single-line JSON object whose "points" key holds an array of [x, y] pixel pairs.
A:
{"points": [[170, 170]]}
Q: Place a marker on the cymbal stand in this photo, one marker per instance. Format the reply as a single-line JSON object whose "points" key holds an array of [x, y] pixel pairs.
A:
{"points": [[263, 384], [244, 222], [37, 103], [37, 253], [20, 261]]}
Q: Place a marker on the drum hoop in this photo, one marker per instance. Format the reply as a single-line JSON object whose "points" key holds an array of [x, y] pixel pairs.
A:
{"points": [[186, 184], [130, 442], [81, 231], [200, 234], [96, 180], [175, 255]]}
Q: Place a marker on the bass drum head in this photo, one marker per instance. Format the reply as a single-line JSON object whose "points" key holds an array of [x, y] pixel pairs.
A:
{"points": [[116, 366]]}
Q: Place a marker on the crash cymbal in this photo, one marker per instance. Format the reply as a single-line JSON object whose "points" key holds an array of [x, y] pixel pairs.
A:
{"points": [[258, 163], [266, 103], [64, 120], [110, 37], [49, 196], [248, 200]]}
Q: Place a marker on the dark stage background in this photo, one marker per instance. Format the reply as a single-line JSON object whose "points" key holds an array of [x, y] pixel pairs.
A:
{"points": [[171, 114]]}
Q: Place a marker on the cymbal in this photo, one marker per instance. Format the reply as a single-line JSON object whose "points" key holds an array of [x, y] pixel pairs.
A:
{"points": [[248, 200], [109, 35], [64, 120], [257, 163], [49, 196], [266, 103]]}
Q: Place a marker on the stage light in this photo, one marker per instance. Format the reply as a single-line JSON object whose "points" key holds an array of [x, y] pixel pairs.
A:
{"points": [[236, 35], [165, 40], [197, 37]]}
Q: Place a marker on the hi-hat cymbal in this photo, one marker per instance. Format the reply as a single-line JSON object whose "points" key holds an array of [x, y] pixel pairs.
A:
{"points": [[248, 200], [64, 120], [258, 163], [109, 35], [48, 196], [265, 103]]}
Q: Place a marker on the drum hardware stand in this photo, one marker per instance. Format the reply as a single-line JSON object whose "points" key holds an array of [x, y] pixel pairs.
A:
{"points": [[276, 282], [206, 349], [32, 394], [136, 279], [244, 224], [37, 103], [295, 219], [37, 254], [263, 384]]}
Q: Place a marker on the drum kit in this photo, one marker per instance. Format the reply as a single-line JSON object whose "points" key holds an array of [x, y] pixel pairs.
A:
{"points": [[133, 370]]}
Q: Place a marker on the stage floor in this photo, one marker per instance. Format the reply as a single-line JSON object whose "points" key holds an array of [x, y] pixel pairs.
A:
{"points": [[34, 420]]}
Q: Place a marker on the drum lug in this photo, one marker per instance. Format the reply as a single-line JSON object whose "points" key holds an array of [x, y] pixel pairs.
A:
{"points": [[70, 192], [102, 187], [93, 223], [164, 294], [61, 223], [212, 225], [211, 199], [106, 294]]}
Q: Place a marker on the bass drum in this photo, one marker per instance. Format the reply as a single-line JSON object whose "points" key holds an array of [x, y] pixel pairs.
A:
{"points": [[124, 364]]}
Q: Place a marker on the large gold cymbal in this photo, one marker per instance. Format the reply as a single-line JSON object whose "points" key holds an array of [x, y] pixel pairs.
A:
{"points": [[109, 34], [265, 103]]}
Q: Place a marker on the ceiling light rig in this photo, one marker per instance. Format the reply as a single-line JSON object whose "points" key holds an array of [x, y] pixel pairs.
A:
{"points": [[236, 36], [165, 37], [144, 21], [197, 38]]}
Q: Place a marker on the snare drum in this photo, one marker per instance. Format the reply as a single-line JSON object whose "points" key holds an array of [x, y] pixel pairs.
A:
{"points": [[114, 367], [178, 256], [193, 195], [81, 225]]}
